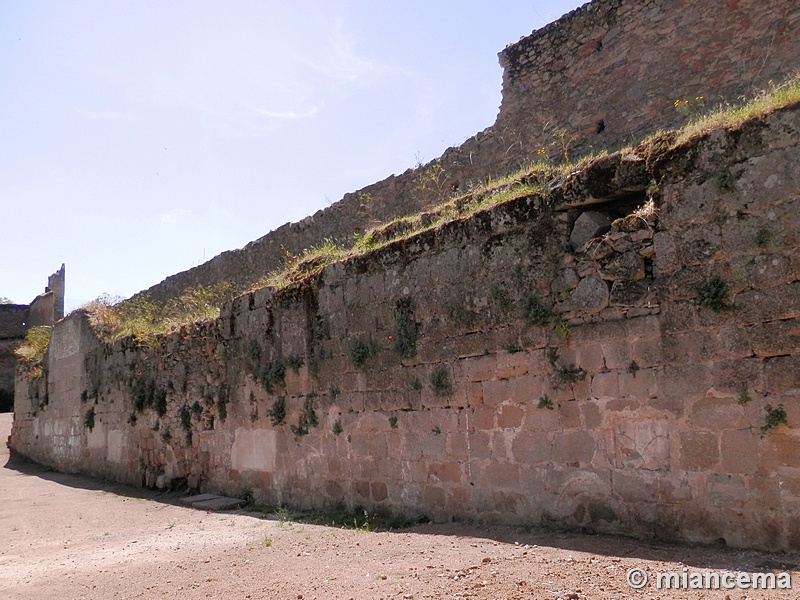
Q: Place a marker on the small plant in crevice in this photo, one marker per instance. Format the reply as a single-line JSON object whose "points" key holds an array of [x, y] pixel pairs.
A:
{"points": [[436, 430], [633, 367], [88, 419], [561, 327], [457, 315], [763, 237], [775, 416], [552, 356], [132, 419], [223, 396], [337, 427], [534, 312], [570, 374], [393, 421], [160, 402], [277, 414], [271, 375], [545, 402], [334, 392], [742, 396], [360, 352], [246, 496], [725, 181], [84, 396], [185, 417], [308, 418], [294, 362], [197, 409], [440, 382], [416, 384], [500, 297], [254, 358], [166, 436], [513, 348], [405, 328], [712, 295]]}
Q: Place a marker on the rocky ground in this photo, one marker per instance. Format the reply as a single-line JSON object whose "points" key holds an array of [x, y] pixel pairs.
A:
{"points": [[68, 537]]}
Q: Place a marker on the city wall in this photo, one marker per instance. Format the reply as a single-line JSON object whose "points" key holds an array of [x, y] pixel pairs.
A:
{"points": [[15, 319], [511, 367], [600, 77]]}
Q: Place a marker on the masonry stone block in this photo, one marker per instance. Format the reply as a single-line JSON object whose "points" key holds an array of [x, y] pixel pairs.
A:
{"points": [[699, 450], [590, 224], [640, 444], [591, 294]]}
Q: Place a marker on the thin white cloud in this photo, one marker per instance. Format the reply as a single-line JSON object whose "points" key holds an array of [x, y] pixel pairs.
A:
{"points": [[175, 216], [339, 60], [289, 115], [104, 115]]}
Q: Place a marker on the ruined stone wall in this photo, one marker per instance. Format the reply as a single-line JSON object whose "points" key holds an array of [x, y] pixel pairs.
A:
{"points": [[15, 319], [12, 330], [502, 368], [605, 74]]}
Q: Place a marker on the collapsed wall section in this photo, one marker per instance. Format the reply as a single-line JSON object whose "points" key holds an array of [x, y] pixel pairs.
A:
{"points": [[600, 77], [518, 366]]}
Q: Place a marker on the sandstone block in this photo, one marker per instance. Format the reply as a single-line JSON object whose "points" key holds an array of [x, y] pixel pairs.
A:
{"points": [[573, 448], [699, 450], [739, 451], [510, 417], [605, 385]]}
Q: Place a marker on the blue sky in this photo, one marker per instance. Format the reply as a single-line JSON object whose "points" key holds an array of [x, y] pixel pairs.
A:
{"points": [[138, 139]]}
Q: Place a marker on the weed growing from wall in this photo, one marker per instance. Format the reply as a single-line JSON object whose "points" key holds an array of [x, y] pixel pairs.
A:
{"points": [[308, 418], [570, 374], [160, 402], [513, 348], [34, 346], [254, 358], [294, 362], [337, 427], [405, 328], [440, 382], [360, 352], [185, 417], [88, 419], [277, 414], [712, 295], [545, 402], [534, 312], [742, 396], [393, 421], [775, 416], [271, 375], [334, 392], [223, 397]]}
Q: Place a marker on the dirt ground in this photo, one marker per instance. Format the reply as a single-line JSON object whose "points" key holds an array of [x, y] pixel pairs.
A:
{"points": [[66, 537]]}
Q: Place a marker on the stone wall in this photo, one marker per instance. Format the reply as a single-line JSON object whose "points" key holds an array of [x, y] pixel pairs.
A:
{"points": [[605, 74], [15, 319], [511, 367]]}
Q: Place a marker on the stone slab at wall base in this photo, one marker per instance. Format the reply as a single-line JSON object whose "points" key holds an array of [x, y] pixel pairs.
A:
{"points": [[487, 370]]}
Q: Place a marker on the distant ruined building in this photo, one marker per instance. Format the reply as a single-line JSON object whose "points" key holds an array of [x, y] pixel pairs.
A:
{"points": [[15, 319]]}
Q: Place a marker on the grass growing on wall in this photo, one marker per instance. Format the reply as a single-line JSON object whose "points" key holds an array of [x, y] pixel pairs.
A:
{"points": [[34, 347], [143, 318]]}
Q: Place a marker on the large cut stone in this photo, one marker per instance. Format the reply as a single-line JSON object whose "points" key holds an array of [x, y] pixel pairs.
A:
{"points": [[588, 225], [591, 294]]}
